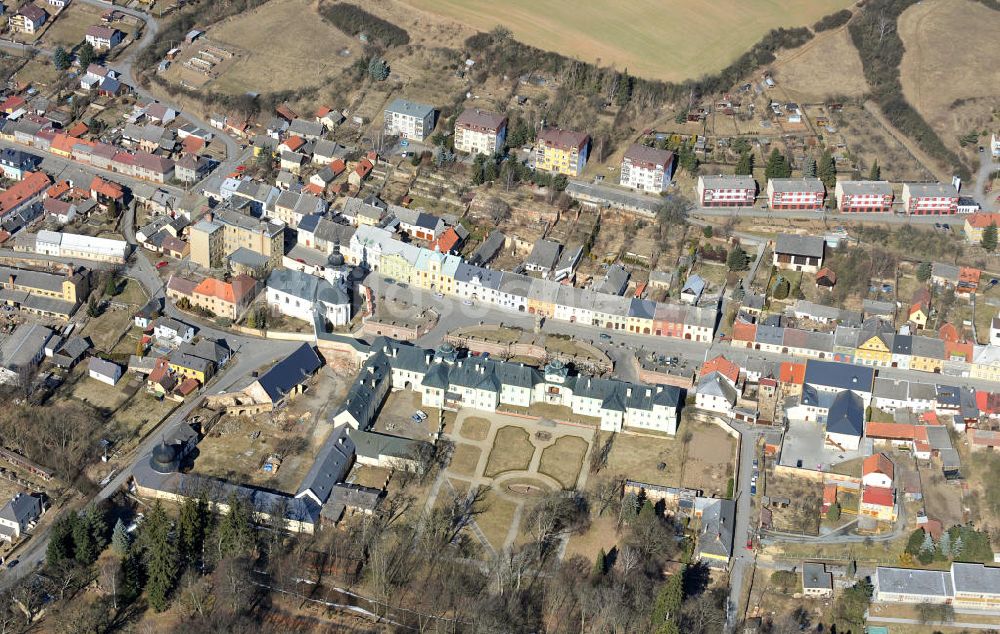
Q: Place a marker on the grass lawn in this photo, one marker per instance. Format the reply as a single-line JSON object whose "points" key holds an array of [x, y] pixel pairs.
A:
{"points": [[631, 35], [492, 333], [850, 467], [601, 534], [638, 458], [280, 63], [512, 451], [573, 348], [496, 519], [563, 459], [474, 428], [71, 25], [141, 414], [464, 460], [106, 329], [41, 71], [368, 476], [93, 392], [132, 293]]}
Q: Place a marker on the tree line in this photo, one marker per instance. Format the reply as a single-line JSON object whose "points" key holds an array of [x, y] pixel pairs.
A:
{"points": [[355, 21], [875, 36]]}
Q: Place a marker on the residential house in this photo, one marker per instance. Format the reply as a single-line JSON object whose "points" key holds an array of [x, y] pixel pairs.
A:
{"points": [[185, 365], [172, 331], [726, 191], [103, 38], [19, 515], [191, 169], [796, 193], [877, 471], [24, 348], [28, 19], [863, 196], [409, 120], [693, 288], [480, 132], [716, 393], [976, 224], [17, 163], [647, 168], [103, 371], [717, 533], [561, 151], [878, 503], [799, 253], [227, 299]]}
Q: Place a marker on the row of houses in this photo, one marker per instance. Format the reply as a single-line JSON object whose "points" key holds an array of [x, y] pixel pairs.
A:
{"points": [[873, 344], [380, 250], [964, 585], [810, 194]]}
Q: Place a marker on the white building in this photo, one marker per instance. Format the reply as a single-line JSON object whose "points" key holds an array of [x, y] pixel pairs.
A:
{"points": [[647, 168], [863, 196], [72, 245], [306, 297], [716, 393], [409, 120], [480, 132], [172, 331], [103, 371], [922, 199], [19, 515]]}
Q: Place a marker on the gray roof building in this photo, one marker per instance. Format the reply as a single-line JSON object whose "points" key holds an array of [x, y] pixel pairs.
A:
{"points": [[718, 521], [410, 108], [847, 415], [792, 244], [543, 256], [816, 577]]}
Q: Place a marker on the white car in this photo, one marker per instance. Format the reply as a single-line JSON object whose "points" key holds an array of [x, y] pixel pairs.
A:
{"points": [[439, 295], [467, 302]]}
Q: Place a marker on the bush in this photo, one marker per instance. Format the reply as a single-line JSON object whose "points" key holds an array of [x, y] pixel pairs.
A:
{"points": [[832, 21], [785, 580], [354, 21]]}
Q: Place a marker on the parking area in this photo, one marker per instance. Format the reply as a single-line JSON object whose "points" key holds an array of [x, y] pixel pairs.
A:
{"points": [[804, 447], [397, 416]]}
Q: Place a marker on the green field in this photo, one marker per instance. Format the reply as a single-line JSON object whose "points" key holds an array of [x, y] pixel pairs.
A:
{"points": [[661, 39]]}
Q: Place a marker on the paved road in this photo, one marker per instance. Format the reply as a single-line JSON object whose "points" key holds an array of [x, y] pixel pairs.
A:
{"points": [[771, 214], [988, 201], [950, 624], [743, 560]]}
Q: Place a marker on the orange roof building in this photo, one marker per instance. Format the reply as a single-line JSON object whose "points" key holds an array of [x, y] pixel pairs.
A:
{"points": [[878, 463], [968, 280], [23, 191], [447, 241], [948, 332], [101, 189], [224, 299], [78, 130], [794, 373], [743, 331], [723, 366], [57, 190], [293, 143], [877, 496]]}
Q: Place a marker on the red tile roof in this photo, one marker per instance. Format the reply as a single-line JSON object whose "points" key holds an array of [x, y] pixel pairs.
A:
{"points": [[78, 130], [363, 168], [878, 496], [447, 241], [58, 189], [101, 187], [723, 366], [337, 166], [878, 463], [563, 139], [794, 373], [982, 220], [229, 292], [32, 185], [743, 331], [294, 142], [192, 144]]}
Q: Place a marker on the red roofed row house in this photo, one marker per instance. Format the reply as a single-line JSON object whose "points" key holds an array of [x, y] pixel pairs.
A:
{"points": [[23, 193], [877, 496]]}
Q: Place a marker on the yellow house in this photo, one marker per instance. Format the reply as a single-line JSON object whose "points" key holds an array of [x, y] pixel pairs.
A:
{"points": [[875, 350], [878, 503], [976, 223], [918, 315], [927, 354], [191, 367], [986, 364], [562, 151], [396, 265]]}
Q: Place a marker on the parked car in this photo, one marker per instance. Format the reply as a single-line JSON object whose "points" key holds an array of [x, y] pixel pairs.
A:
{"points": [[420, 415], [605, 336], [161, 264]]}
